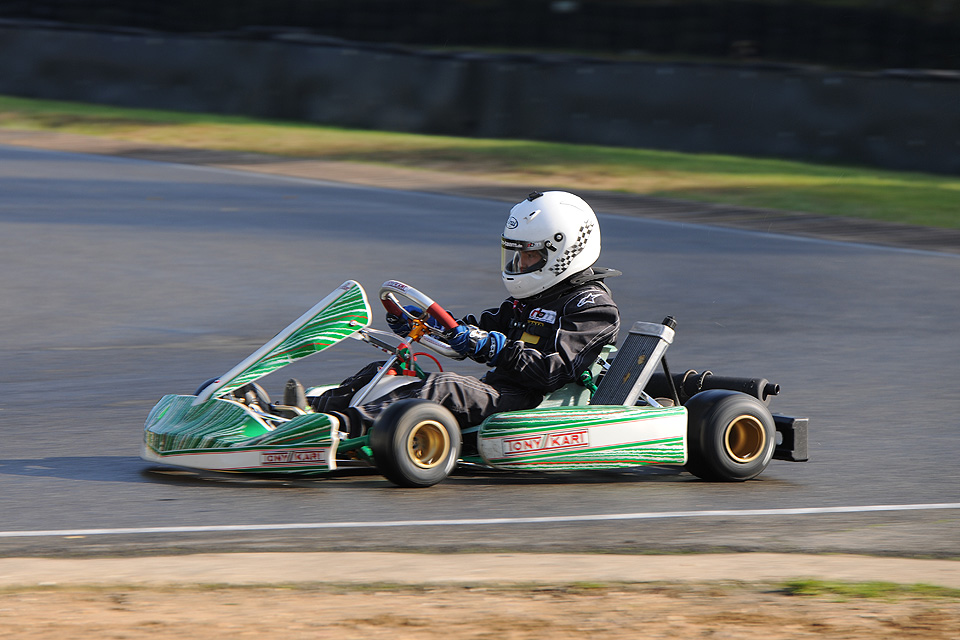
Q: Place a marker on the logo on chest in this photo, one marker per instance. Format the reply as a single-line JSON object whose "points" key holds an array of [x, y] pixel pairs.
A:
{"points": [[547, 316]]}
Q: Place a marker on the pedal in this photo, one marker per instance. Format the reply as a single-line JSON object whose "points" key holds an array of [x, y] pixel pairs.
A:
{"points": [[294, 395]]}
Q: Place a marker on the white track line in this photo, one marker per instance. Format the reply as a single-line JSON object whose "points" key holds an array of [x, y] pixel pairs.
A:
{"points": [[803, 511]]}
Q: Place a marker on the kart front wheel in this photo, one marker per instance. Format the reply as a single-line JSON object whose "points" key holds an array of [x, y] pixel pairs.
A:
{"points": [[415, 443], [730, 436]]}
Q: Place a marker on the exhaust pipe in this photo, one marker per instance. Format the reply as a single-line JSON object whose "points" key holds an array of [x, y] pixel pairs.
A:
{"points": [[690, 383]]}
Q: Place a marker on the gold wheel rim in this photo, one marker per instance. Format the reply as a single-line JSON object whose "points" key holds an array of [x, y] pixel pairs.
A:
{"points": [[428, 444], [745, 438]]}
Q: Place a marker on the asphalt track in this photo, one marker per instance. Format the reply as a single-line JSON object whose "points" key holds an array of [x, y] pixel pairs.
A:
{"points": [[125, 279]]}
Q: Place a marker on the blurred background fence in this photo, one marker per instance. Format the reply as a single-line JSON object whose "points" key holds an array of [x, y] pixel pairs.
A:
{"points": [[853, 33], [525, 69]]}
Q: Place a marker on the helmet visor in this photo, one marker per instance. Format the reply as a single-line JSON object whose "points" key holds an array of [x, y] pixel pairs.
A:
{"points": [[519, 257]]}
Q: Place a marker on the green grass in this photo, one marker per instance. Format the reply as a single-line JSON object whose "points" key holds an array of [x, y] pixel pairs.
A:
{"points": [[912, 198], [872, 590]]}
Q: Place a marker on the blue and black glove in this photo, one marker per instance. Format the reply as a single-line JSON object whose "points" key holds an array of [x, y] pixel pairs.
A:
{"points": [[401, 326], [476, 344]]}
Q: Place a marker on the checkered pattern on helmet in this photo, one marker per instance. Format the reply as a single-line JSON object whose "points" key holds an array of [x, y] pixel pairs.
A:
{"points": [[574, 249]]}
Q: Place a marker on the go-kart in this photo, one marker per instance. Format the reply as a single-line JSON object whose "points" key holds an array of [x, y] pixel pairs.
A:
{"points": [[626, 411]]}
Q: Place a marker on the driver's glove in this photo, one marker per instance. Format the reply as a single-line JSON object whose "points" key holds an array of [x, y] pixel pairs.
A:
{"points": [[399, 324], [478, 345]]}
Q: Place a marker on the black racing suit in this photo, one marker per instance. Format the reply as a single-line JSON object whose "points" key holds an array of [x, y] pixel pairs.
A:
{"points": [[552, 339]]}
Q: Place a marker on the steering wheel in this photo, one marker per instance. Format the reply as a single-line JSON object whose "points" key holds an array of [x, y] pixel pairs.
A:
{"points": [[391, 290]]}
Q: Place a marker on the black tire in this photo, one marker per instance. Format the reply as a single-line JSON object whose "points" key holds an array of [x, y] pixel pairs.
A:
{"points": [[415, 443], [730, 436]]}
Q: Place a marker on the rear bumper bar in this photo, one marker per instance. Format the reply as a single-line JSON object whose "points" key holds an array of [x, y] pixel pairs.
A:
{"points": [[791, 438]]}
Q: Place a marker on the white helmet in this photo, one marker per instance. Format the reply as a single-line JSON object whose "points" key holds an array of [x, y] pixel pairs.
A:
{"points": [[548, 238]]}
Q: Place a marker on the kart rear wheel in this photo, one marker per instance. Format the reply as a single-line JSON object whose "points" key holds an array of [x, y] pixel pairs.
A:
{"points": [[730, 436], [415, 443]]}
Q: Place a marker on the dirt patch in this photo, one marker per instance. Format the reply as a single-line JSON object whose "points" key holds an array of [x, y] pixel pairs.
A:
{"points": [[740, 612]]}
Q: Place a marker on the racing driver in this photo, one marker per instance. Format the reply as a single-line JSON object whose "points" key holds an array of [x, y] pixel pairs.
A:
{"points": [[559, 316]]}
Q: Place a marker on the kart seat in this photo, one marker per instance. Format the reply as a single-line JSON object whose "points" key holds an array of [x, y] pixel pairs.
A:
{"points": [[637, 359], [576, 394]]}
